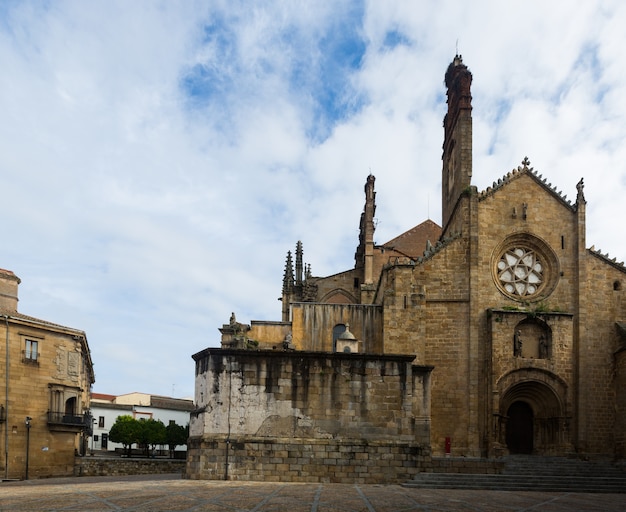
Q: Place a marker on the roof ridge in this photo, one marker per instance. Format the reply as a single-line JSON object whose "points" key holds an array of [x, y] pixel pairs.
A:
{"points": [[607, 258], [521, 170], [411, 230], [21, 316], [431, 250]]}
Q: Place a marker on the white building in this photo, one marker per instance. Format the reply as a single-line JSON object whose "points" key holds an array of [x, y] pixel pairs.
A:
{"points": [[105, 410]]}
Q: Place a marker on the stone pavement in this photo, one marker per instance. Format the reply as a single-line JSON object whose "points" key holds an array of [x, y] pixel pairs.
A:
{"points": [[153, 493]]}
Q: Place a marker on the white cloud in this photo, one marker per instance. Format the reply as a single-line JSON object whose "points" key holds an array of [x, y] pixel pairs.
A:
{"points": [[158, 160]]}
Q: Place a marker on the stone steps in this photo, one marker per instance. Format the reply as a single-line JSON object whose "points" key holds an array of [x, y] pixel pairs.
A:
{"points": [[553, 474]]}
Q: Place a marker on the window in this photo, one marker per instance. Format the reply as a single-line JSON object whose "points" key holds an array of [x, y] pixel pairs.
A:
{"points": [[338, 330], [30, 350], [100, 421], [525, 268], [70, 406], [520, 271]]}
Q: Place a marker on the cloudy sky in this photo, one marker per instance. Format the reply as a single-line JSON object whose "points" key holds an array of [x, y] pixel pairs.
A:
{"points": [[159, 159]]}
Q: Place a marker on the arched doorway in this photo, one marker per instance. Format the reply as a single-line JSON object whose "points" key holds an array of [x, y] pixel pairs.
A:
{"points": [[532, 414], [519, 428]]}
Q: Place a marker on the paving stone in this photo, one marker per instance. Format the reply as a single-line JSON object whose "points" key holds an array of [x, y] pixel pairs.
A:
{"points": [[170, 493]]}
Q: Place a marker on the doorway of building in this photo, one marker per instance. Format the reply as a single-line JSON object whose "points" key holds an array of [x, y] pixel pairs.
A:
{"points": [[519, 428]]}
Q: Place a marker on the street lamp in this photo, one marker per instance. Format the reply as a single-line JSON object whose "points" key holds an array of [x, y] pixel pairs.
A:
{"points": [[94, 420], [27, 423]]}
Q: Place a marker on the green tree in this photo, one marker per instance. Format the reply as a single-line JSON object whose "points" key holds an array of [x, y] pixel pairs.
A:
{"points": [[176, 436], [125, 430], [151, 433]]}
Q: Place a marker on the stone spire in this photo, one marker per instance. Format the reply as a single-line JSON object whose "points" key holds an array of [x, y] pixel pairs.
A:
{"points": [[580, 196], [364, 256], [299, 268], [288, 279], [288, 287]]}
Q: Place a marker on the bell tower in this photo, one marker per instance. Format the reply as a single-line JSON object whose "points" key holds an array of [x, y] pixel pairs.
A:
{"points": [[456, 173]]}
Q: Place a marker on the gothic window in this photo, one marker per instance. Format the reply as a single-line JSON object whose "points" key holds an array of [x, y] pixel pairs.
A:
{"points": [[520, 271], [525, 268]]}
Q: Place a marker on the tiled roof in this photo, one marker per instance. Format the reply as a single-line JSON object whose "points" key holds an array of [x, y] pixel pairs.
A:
{"points": [[45, 323], [103, 396], [413, 242]]}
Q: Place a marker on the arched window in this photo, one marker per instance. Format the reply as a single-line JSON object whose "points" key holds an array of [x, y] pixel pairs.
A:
{"points": [[70, 406], [338, 330]]}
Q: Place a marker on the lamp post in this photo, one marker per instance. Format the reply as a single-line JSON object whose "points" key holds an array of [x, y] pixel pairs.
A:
{"points": [[94, 421], [27, 423]]}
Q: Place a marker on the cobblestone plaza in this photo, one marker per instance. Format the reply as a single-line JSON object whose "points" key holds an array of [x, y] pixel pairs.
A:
{"points": [[169, 492]]}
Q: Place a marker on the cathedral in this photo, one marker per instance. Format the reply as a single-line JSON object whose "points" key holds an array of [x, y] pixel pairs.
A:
{"points": [[521, 325]]}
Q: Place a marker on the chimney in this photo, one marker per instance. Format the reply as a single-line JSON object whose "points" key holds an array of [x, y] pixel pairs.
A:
{"points": [[8, 291]]}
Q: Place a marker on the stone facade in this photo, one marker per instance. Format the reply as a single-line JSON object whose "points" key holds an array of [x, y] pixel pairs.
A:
{"points": [[280, 415], [44, 406], [620, 404], [524, 325], [316, 460]]}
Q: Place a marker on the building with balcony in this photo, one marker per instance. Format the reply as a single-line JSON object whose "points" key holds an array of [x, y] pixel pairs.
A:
{"points": [[47, 374]]}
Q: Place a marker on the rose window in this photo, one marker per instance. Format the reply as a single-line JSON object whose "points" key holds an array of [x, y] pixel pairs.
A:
{"points": [[520, 271]]}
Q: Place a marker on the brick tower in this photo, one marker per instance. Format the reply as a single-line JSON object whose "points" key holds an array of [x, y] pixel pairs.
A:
{"points": [[457, 145]]}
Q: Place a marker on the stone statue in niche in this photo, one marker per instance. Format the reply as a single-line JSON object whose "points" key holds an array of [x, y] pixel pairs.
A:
{"points": [[517, 344], [288, 342], [543, 347]]}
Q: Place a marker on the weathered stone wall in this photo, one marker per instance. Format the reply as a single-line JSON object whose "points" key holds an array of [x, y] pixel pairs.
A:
{"points": [[426, 312], [313, 325], [115, 466], [310, 399], [620, 409], [603, 296], [339, 288], [269, 334], [304, 460]]}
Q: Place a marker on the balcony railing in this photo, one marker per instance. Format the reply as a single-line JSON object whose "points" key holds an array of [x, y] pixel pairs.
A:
{"points": [[61, 418]]}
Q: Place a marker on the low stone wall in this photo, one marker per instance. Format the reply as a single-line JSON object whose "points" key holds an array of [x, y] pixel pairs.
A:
{"points": [[113, 466], [310, 460]]}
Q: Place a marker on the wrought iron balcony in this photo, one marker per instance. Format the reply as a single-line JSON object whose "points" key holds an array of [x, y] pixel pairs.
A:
{"points": [[64, 421]]}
